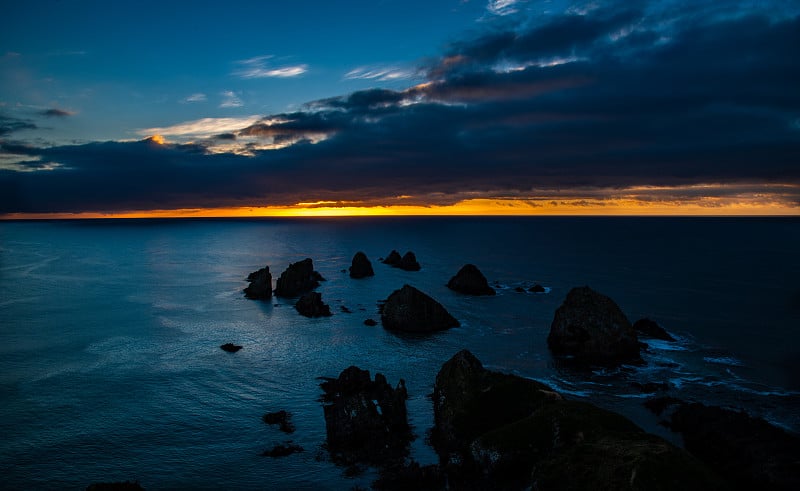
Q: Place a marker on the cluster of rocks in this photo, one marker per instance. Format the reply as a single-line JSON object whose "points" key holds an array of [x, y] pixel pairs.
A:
{"points": [[283, 419], [408, 262]]}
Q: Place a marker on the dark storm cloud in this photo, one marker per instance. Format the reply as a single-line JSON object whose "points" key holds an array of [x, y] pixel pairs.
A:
{"points": [[56, 113], [594, 102], [9, 125]]}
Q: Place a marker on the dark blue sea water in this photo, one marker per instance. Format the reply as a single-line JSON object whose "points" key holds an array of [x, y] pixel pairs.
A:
{"points": [[110, 367]]}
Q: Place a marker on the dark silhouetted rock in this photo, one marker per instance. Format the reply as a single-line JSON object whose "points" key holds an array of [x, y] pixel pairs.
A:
{"points": [[230, 347], [361, 267], [370, 322], [393, 259], [345, 309], [115, 486], [501, 431], [311, 305], [410, 476], [365, 420], [409, 262], [282, 450], [410, 310], [281, 418], [591, 328], [752, 453], [471, 281], [537, 288], [651, 329], [519, 289], [260, 287], [298, 278]]}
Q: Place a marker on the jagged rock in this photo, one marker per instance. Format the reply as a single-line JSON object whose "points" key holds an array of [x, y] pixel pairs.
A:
{"points": [[115, 486], [409, 262], [650, 328], [282, 450], [751, 452], [361, 267], [537, 288], [471, 281], [260, 287], [230, 347], [410, 310], [500, 431], [281, 418], [370, 322], [365, 420], [298, 278], [591, 328], [311, 305], [393, 259]]}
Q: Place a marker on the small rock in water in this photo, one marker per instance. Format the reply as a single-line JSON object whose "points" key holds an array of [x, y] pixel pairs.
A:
{"points": [[537, 288], [370, 322], [281, 418], [282, 450], [230, 347]]}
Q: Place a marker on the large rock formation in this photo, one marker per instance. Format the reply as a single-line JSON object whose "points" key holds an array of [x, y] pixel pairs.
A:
{"points": [[260, 287], [650, 328], [361, 267], [365, 420], [471, 281], [311, 305], [298, 278], [751, 452], [500, 431], [410, 310], [591, 328]]}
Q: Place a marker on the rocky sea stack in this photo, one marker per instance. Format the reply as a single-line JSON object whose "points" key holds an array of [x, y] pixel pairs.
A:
{"points": [[361, 267], [365, 419], [298, 278], [407, 262], [471, 281], [410, 310], [591, 328], [311, 305], [501, 431], [260, 287]]}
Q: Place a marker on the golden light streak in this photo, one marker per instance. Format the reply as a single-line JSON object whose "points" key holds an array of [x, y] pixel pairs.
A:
{"points": [[159, 139]]}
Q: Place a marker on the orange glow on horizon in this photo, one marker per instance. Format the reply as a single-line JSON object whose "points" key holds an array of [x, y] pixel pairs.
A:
{"points": [[159, 139], [476, 207]]}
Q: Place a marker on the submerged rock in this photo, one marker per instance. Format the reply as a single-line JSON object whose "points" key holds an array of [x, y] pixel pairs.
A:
{"points": [[370, 322], [537, 288], [471, 281], [361, 267], [591, 328], [410, 310], [311, 305], [281, 418], [365, 420], [501, 431], [260, 287], [298, 278], [282, 450], [393, 259], [230, 347], [650, 328]]}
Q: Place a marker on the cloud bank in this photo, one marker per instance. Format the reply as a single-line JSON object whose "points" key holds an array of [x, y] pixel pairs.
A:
{"points": [[602, 101]]}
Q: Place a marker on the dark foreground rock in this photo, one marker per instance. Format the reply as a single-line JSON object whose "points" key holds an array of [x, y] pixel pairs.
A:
{"points": [[311, 305], [410, 310], [361, 267], [260, 287], [591, 328], [298, 278], [115, 486], [500, 431], [365, 419], [752, 453], [281, 418], [471, 281], [282, 450], [650, 328], [230, 347]]}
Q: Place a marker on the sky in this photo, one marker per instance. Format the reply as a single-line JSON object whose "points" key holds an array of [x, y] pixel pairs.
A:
{"points": [[308, 107]]}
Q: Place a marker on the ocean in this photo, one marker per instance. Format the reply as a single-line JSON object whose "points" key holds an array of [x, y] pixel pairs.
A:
{"points": [[110, 366]]}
